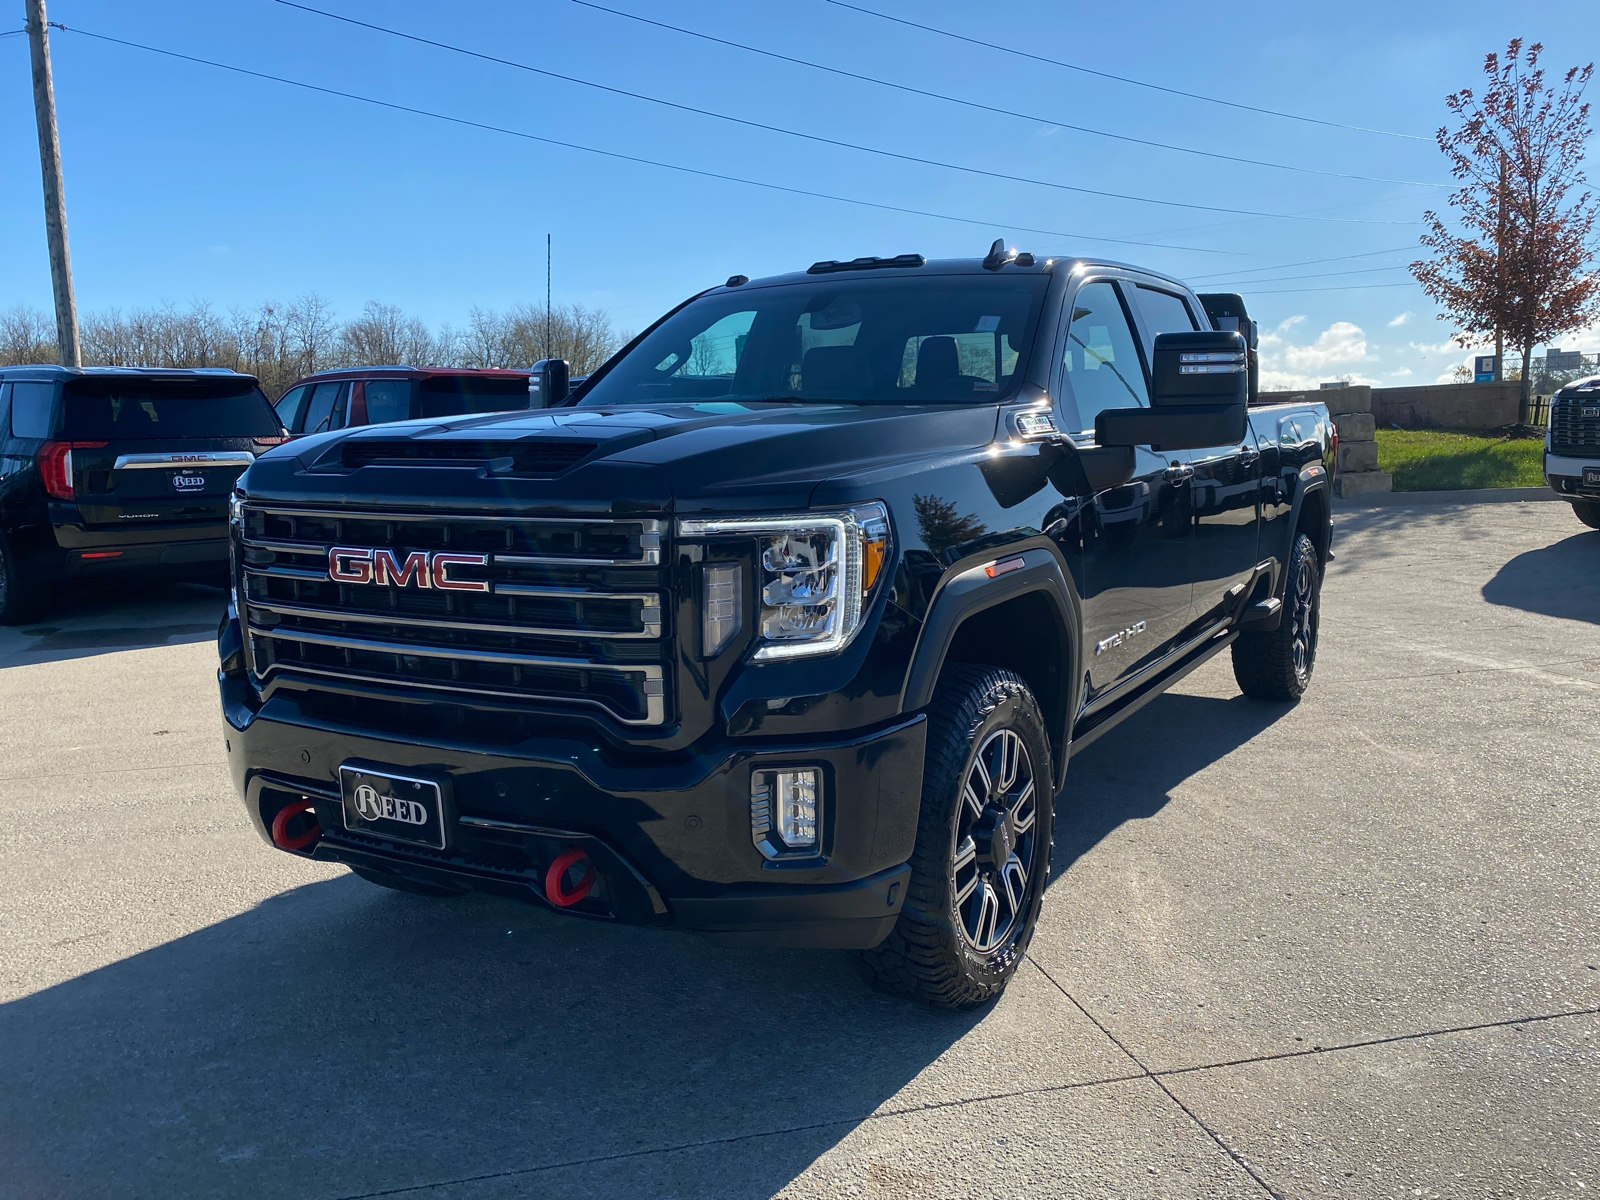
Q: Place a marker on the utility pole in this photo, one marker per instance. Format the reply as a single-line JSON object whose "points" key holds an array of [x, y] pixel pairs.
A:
{"points": [[55, 201], [547, 295]]}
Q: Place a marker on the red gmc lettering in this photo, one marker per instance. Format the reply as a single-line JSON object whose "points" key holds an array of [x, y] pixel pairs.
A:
{"points": [[346, 565], [443, 562], [386, 569]]}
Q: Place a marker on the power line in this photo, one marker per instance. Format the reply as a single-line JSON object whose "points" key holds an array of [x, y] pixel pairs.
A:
{"points": [[1353, 287], [1155, 87], [1306, 262], [1319, 275], [633, 158], [990, 108], [818, 138]]}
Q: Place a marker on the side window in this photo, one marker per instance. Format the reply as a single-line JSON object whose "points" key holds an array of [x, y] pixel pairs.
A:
{"points": [[5, 411], [388, 400], [31, 405], [326, 409], [1164, 312], [1101, 367], [289, 405]]}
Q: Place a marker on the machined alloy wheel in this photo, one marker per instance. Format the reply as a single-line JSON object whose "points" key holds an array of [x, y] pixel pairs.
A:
{"points": [[1277, 664], [982, 852], [1303, 617], [994, 843]]}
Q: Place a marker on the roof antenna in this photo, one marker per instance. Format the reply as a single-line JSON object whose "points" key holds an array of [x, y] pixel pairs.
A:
{"points": [[998, 255]]}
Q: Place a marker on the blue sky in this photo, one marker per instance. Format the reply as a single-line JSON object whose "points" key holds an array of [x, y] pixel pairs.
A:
{"points": [[185, 182]]}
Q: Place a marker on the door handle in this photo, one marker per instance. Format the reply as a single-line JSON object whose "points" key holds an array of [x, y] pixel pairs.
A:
{"points": [[1248, 455], [1178, 473]]}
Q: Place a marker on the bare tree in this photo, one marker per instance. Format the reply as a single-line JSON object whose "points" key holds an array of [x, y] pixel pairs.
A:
{"points": [[1521, 266], [280, 344], [26, 336]]}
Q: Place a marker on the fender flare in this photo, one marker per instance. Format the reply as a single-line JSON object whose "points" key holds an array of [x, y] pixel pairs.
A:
{"points": [[972, 591], [1324, 538]]}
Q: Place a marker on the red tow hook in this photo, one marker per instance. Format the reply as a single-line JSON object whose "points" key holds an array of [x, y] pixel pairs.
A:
{"points": [[280, 826], [555, 879]]}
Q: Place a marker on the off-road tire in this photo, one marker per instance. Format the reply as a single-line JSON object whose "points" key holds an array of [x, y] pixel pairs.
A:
{"points": [[1278, 665], [930, 955], [1587, 511], [400, 883], [20, 598]]}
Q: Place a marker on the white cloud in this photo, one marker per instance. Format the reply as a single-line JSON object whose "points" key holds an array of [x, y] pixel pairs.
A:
{"points": [[1402, 373], [1286, 365], [1403, 319]]}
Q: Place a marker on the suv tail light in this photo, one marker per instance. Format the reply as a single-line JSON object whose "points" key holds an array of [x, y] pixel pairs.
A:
{"points": [[55, 466]]}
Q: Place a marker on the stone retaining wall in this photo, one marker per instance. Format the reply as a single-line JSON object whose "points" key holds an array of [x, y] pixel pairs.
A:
{"points": [[1432, 406]]}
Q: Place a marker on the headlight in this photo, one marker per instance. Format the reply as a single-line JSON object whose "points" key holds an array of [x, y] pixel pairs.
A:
{"points": [[815, 572]]}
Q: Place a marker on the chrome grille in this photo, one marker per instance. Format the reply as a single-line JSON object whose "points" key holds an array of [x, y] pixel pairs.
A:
{"points": [[1571, 431], [570, 610]]}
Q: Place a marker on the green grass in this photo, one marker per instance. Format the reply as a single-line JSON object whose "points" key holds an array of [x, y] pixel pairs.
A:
{"points": [[1424, 460]]}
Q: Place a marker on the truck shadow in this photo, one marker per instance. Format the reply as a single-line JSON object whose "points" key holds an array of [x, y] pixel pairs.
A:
{"points": [[1117, 779], [1561, 580], [106, 617], [339, 1040]]}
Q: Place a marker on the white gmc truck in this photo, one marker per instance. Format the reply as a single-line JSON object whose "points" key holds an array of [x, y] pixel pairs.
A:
{"points": [[1572, 448]]}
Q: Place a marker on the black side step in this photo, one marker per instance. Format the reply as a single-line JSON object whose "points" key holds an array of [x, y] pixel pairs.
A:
{"points": [[1263, 615]]}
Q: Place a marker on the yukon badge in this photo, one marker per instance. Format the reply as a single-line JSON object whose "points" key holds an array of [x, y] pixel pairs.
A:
{"points": [[351, 564]]}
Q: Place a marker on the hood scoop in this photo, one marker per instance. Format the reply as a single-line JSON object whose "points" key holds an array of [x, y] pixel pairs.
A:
{"points": [[532, 459]]}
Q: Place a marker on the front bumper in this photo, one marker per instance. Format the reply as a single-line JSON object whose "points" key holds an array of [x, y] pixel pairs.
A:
{"points": [[1565, 475], [669, 832]]}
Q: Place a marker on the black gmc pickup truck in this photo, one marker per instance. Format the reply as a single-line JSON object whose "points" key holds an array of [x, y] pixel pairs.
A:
{"points": [[784, 626]]}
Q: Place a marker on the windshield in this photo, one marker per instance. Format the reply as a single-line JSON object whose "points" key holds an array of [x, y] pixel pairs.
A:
{"points": [[917, 339], [113, 408]]}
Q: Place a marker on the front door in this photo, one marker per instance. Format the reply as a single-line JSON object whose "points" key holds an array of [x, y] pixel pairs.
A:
{"points": [[1136, 565]]}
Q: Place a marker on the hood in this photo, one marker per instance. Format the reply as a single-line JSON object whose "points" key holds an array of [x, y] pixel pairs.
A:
{"points": [[692, 457]]}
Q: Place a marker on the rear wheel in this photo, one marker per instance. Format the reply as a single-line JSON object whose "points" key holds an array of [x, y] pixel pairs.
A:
{"points": [[400, 883], [1278, 665], [20, 599], [1588, 511], [983, 844]]}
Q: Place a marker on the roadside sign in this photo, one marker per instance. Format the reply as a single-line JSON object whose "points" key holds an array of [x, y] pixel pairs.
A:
{"points": [[1483, 369]]}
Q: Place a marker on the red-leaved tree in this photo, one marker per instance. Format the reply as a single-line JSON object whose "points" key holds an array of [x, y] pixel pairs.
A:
{"points": [[1520, 265]]}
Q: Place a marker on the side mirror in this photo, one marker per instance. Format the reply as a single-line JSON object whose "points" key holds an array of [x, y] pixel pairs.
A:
{"points": [[548, 384], [1199, 398]]}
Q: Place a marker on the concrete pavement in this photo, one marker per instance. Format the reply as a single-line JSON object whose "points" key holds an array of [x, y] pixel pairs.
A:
{"points": [[1346, 948]]}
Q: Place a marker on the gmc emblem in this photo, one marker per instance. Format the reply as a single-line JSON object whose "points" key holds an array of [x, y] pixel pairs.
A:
{"points": [[352, 564]]}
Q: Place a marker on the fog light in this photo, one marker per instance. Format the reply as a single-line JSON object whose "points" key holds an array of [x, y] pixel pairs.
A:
{"points": [[784, 804]]}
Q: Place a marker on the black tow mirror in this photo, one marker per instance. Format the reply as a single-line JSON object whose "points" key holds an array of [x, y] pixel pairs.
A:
{"points": [[548, 385], [1199, 398]]}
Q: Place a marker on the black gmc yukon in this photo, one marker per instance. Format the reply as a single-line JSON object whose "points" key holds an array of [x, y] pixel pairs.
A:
{"points": [[112, 471], [783, 627]]}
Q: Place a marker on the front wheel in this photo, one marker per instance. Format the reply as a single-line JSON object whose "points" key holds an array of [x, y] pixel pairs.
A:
{"points": [[983, 844], [1278, 665], [1587, 511]]}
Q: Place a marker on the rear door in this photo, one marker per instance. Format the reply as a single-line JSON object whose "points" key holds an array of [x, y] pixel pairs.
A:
{"points": [[162, 451]]}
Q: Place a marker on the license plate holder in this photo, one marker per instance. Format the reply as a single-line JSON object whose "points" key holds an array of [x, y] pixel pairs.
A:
{"points": [[1591, 477], [393, 806], [188, 483]]}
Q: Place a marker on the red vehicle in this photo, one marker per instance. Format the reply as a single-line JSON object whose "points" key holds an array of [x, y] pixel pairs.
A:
{"points": [[376, 395]]}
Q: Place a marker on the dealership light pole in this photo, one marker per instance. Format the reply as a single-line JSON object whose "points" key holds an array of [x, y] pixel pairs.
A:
{"points": [[55, 201]]}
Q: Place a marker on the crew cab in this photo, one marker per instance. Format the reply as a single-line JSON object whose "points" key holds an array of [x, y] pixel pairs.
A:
{"points": [[783, 627], [354, 396], [108, 471], [1572, 448]]}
